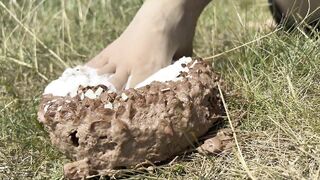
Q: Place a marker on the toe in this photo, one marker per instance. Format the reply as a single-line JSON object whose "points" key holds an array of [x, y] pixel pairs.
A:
{"points": [[138, 76], [109, 68], [136, 79], [120, 78]]}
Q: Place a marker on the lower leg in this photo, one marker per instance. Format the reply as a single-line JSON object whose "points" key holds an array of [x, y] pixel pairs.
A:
{"points": [[160, 31]]}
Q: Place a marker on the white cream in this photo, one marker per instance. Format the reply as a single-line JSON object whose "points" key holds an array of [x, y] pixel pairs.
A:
{"points": [[124, 97], [46, 107], [98, 92], [109, 105], [169, 73], [72, 78], [90, 94]]}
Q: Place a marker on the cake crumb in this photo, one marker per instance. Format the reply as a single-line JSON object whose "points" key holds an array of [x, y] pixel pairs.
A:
{"points": [[98, 91], [124, 97], [90, 94], [108, 106]]}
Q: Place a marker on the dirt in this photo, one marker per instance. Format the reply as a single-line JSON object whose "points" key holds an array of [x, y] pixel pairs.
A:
{"points": [[110, 130]]}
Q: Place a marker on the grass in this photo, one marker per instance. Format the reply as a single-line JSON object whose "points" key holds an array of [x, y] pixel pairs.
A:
{"points": [[274, 81]]}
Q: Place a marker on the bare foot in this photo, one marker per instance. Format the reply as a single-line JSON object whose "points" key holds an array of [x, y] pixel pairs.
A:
{"points": [[160, 32]]}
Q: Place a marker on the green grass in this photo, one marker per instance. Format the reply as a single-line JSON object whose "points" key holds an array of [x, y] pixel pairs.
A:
{"points": [[275, 82]]}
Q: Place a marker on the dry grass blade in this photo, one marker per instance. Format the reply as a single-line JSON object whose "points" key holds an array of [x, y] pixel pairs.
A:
{"points": [[241, 46], [240, 156], [21, 63], [32, 34]]}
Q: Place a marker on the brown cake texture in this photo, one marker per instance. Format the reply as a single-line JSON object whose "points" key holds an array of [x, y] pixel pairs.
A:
{"points": [[102, 130]]}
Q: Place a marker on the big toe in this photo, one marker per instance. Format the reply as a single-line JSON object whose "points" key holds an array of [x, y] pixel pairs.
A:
{"points": [[120, 78], [137, 77]]}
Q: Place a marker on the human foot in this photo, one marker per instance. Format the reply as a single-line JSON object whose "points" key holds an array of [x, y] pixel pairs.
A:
{"points": [[160, 32]]}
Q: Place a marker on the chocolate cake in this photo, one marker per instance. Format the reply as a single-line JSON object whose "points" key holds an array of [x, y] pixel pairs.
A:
{"points": [[100, 128]]}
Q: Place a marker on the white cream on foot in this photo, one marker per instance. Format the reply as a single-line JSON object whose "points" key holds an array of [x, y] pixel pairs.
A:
{"points": [[72, 78]]}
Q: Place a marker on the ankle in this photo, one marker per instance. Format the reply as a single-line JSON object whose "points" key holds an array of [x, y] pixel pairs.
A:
{"points": [[195, 7], [190, 6]]}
